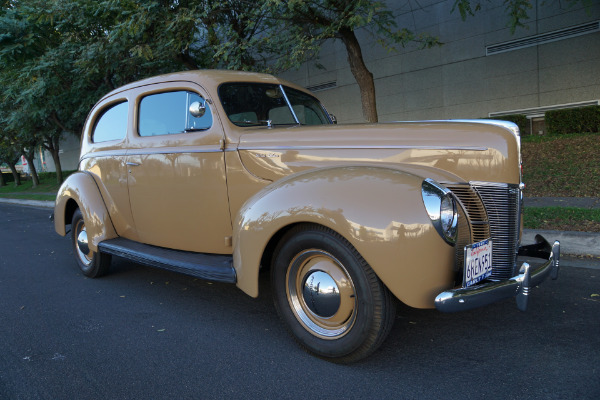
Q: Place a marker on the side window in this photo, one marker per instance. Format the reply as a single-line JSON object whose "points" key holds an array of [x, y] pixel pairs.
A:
{"points": [[112, 124], [168, 113]]}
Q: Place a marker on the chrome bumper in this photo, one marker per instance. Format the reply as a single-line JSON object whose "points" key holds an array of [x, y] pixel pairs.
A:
{"points": [[518, 286]]}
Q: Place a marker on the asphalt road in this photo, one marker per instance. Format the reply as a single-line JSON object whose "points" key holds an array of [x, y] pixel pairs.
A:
{"points": [[142, 333]]}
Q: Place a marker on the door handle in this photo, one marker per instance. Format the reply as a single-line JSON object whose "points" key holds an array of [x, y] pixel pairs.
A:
{"points": [[132, 164]]}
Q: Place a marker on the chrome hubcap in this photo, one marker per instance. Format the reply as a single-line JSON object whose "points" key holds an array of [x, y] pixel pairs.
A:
{"points": [[321, 294], [83, 248]]}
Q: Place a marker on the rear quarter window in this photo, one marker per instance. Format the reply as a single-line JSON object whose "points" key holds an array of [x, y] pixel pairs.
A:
{"points": [[112, 123]]}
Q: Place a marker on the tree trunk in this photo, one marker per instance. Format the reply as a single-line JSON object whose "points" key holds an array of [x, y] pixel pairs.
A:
{"points": [[56, 159], [34, 176], [2, 180], [16, 175], [52, 145], [363, 76]]}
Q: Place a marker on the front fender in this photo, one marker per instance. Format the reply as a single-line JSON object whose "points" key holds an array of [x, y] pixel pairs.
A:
{"points": [[79, 190], [379, 211]]}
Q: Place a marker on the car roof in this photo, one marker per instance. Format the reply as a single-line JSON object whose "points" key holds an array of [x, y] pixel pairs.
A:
{"points": [[208, 78]]}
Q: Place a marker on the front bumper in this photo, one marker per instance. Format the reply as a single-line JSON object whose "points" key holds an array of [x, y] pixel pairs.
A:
{"points": [[518, 286]]}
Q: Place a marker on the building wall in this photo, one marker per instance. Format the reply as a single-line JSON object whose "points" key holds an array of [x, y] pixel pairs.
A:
{"points": [[458, 80], [69, 154]]}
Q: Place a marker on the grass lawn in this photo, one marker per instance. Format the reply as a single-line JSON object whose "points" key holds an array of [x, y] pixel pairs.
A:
{"points": [[46, 190], [562, 218]]}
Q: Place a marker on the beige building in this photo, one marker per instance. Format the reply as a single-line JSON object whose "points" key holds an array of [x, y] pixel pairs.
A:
{"points": [[481, 70]]}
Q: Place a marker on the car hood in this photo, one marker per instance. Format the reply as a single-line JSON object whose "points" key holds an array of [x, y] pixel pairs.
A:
{"points": [[448, 151]]}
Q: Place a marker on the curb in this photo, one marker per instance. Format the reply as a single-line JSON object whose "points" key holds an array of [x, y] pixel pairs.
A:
{"points": [[575, 243], [31, 203]]}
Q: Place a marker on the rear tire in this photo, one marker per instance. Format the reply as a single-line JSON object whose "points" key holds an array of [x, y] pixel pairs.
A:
{"points": [[92, 263], [331, 300]]}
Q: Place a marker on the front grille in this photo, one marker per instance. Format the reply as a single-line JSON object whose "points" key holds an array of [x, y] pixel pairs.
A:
{"points": [[491, 211], [503, 209]]}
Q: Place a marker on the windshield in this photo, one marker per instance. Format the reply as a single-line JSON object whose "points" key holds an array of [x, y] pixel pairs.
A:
{"points": [[252, 104]]}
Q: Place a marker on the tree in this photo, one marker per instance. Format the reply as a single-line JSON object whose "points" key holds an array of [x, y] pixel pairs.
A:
{"points": [[10, 155], [303, 25]]}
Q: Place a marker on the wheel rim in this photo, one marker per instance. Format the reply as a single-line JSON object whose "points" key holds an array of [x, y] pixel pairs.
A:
{"points": [[81, 243], [321, 294]]}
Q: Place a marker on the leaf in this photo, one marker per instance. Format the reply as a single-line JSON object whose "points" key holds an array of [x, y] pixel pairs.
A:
{"points": [[595, 295]]}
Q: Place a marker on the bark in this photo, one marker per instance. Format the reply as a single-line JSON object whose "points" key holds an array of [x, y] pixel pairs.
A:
{"points": [[56, 159], [361, 73], [15, 174], [29, 155], [52, 144]]}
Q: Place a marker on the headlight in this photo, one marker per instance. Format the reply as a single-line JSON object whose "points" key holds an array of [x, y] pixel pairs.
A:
{"points": [[441, 207]]}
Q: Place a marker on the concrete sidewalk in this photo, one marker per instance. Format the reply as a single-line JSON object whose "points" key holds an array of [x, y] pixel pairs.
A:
{"points": [[579, 202], [575, 243]]}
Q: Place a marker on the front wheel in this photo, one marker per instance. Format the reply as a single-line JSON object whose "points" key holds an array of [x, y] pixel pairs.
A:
{"points": [[92, 263], [331, 300]]}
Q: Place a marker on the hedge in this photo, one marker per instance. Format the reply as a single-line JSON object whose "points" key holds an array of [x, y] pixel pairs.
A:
{"points": [[573, 120], [8, 177]]}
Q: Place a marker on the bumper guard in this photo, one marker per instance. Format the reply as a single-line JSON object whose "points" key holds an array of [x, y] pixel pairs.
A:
{"points": [[518, 286]]}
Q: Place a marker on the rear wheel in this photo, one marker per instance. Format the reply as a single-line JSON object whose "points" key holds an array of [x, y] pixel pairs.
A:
{"points": [[92, 263], [329, 297]]}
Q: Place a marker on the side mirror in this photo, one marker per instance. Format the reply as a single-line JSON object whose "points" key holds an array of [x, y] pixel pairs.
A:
{"points": [[333, 119], [197, 110]]}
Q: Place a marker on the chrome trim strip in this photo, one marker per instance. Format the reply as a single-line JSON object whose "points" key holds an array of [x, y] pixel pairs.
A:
{"points": [[518, 286], [362, 147], [105, 153], [158, 150], [175, 150]]}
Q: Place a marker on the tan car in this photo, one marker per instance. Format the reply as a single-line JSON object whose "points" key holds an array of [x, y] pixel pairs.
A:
{"points": [[218, 174]]}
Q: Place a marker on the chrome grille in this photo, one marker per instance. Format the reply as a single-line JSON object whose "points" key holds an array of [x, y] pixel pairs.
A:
{"points": [[503, 209], [472, 226], [492, 210]]}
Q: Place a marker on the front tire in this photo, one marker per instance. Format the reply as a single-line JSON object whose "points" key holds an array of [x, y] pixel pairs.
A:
{"points": [[92, 263], [331, 300]]}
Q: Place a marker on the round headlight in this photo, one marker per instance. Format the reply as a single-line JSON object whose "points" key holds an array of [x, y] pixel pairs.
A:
{"points": [[441, 208], [448, 217]]}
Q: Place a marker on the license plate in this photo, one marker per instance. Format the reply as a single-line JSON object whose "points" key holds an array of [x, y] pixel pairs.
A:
{"points": [[478, 262]]}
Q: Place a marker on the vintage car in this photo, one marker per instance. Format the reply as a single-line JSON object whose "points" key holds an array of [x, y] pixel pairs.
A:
{"points": [[218, 174]]}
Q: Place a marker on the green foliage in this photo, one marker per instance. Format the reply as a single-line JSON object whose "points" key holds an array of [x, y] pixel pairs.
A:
{"points": [[47, 184], [583, 119], [303, 25], [8, 178]]}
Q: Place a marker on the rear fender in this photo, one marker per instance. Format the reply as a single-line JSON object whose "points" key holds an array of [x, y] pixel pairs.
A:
{"points": [[79, 190]]}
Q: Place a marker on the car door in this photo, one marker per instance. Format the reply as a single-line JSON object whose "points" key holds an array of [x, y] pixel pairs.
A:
{"points": [[176, 171]]}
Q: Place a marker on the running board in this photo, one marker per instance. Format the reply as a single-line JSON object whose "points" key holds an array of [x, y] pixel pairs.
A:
{"points": [[210, 267]]}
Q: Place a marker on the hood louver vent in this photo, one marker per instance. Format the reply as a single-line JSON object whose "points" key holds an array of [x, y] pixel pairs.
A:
{"points": [[543, 38]]}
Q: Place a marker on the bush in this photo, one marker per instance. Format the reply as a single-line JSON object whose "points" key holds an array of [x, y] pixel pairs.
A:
{"points": [[51, 176], [8, 177], [519, 119], [571, 120]]}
